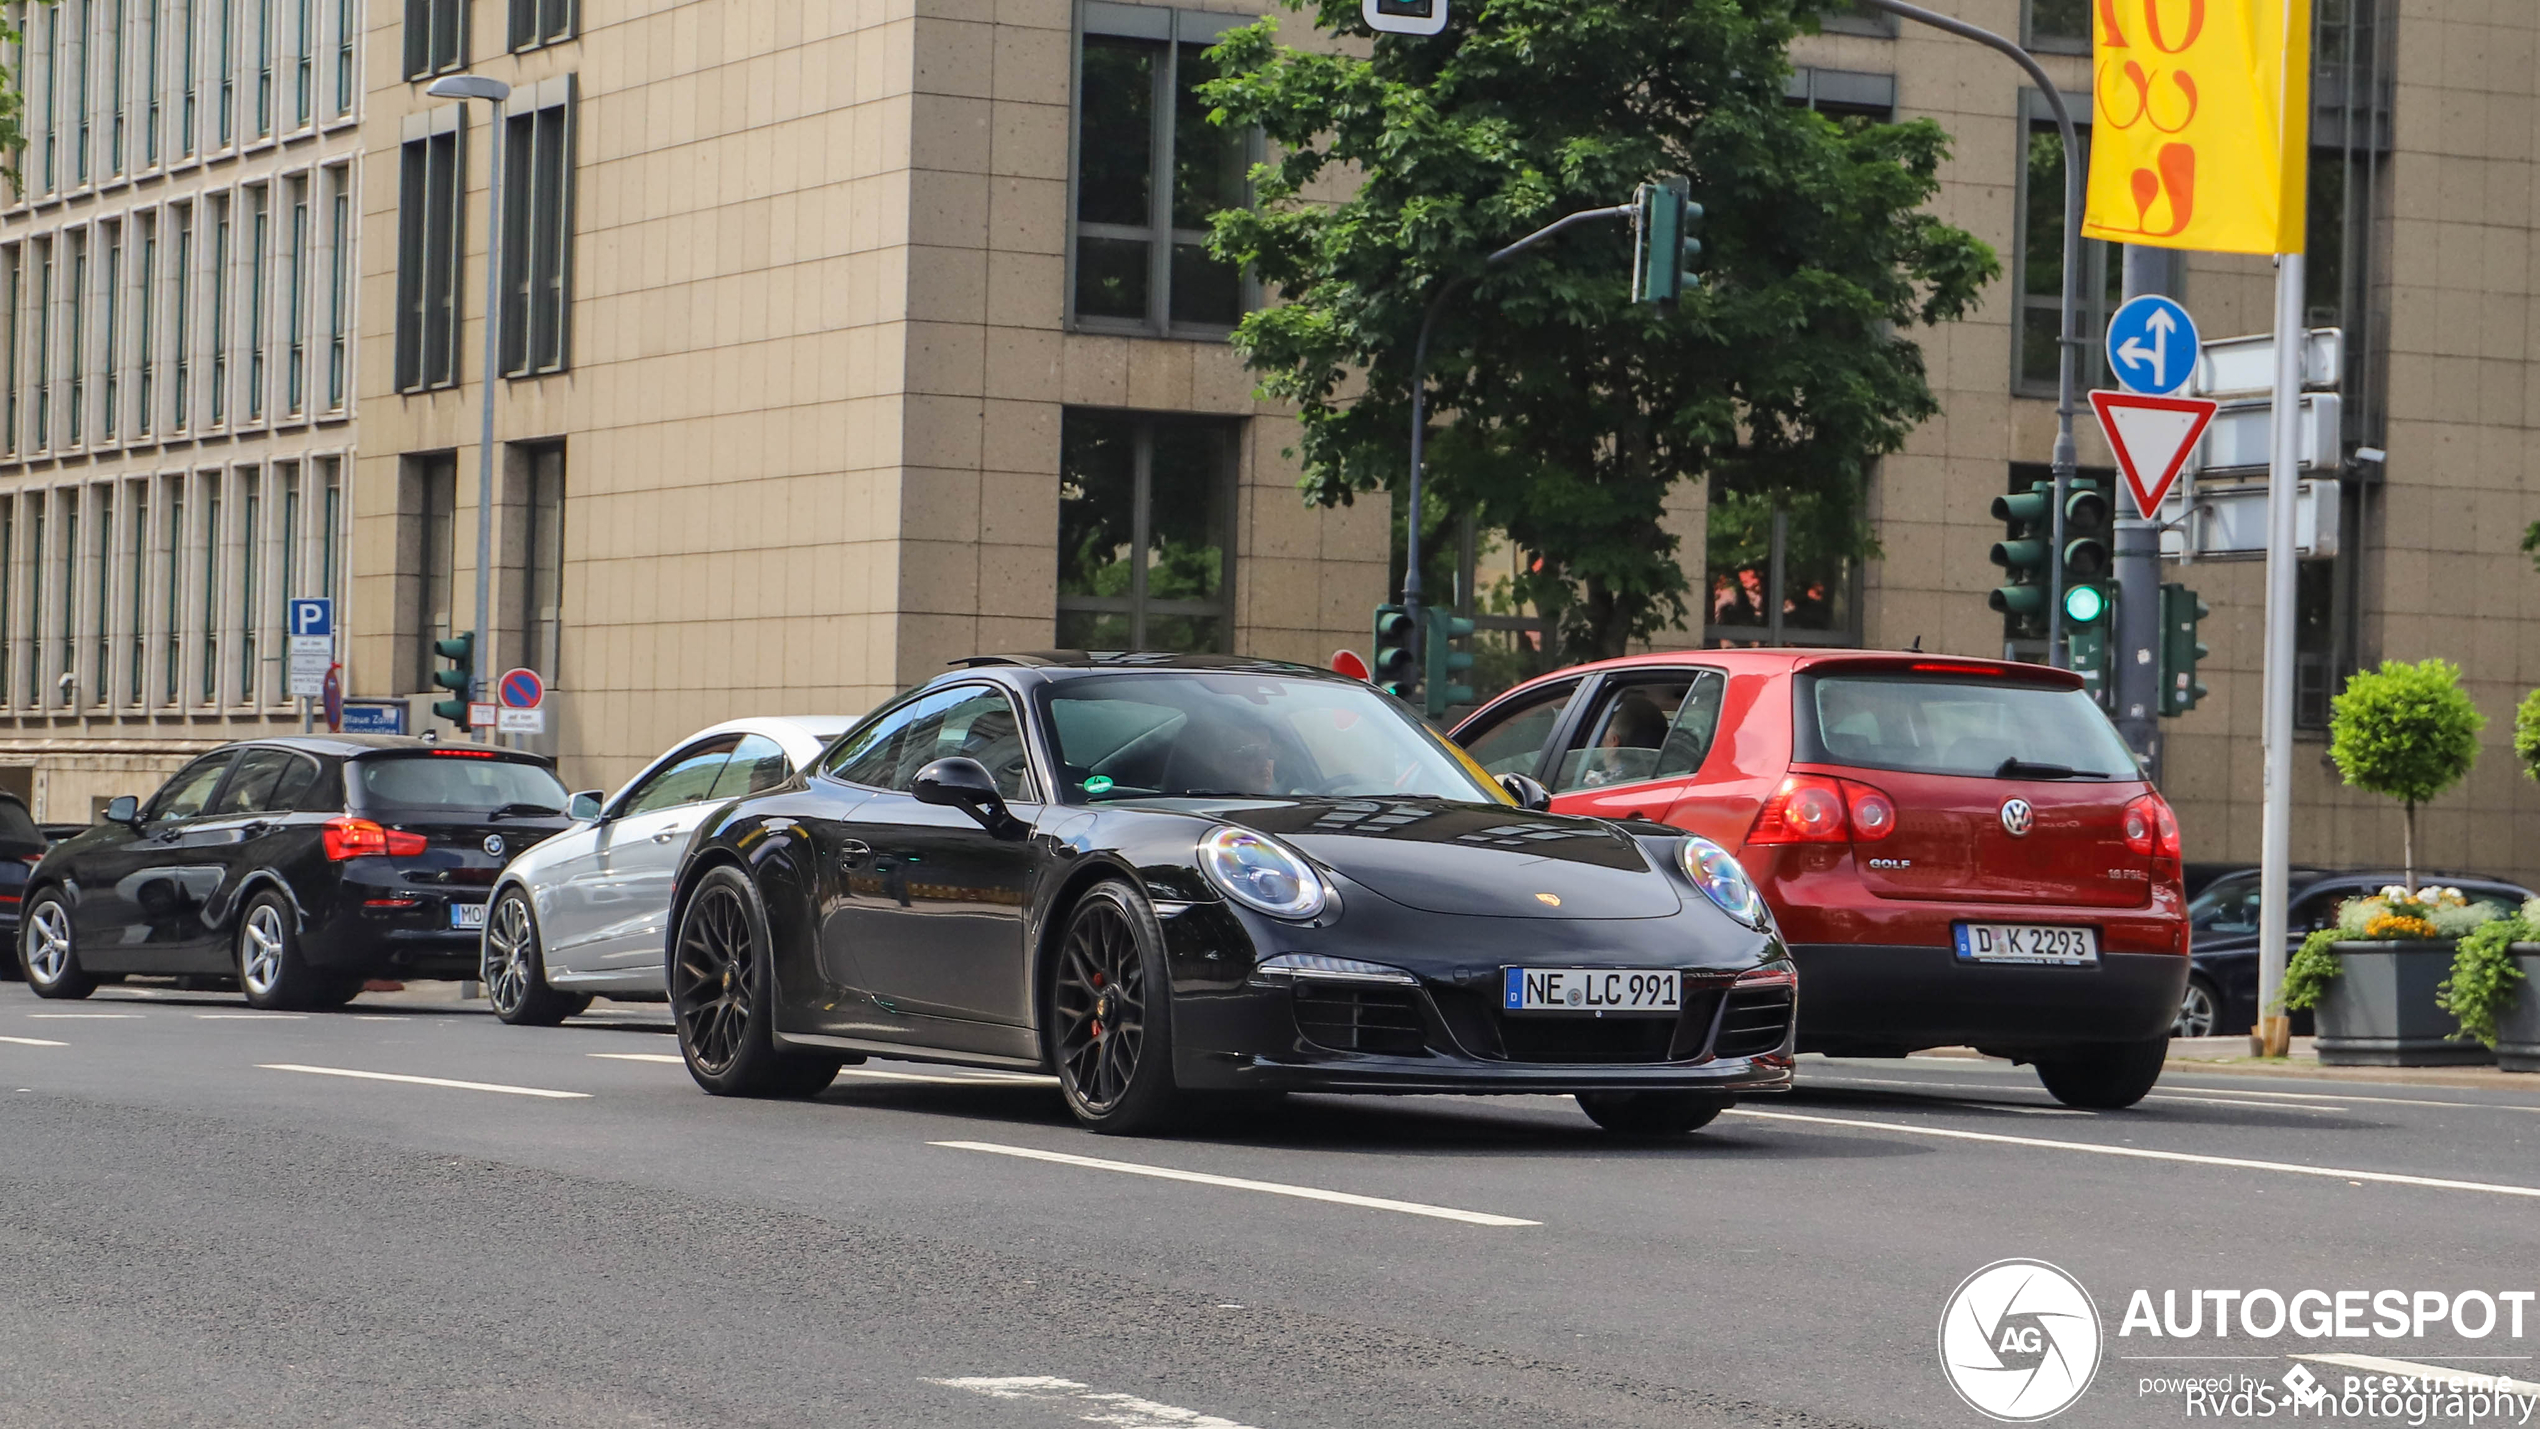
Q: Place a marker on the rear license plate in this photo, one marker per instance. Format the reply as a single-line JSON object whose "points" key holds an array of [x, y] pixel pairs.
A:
{"points": [[2045, 945], [467, 915], [1650, 993]]}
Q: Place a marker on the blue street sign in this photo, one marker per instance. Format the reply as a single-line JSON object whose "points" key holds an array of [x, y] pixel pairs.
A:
{"points": [[374, 717], [313, 616], [2152, 346]]}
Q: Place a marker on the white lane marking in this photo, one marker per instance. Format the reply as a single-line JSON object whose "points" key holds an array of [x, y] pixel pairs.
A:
{"points": [[1309, 1193], [638, 1056], [2144, 1153], [2170, 1093], [1122, 1411], [422, 1081], [32, 1042], [2030, 1110], [2502, 1383], [249, 1016], [2345, 1097], [2192, 1100], [93, 1016]]}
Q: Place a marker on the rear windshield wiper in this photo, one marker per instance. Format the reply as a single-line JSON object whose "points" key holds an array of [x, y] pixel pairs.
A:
{"points": [[524, 811], [2017, 768]]}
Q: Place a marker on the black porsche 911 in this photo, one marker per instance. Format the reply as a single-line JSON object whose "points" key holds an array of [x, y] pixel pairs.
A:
{"points": [[1162, 877]]}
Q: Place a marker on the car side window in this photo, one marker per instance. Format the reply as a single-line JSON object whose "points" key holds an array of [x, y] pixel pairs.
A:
{"points": [[1513, 742], [685, 778], [184, 795], [872, 756], [298, 782], [1660, 727], [253, 788], [981, 726], [758, 762]]}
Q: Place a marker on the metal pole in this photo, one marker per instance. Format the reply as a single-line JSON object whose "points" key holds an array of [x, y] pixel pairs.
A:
{"points": [[483, 653], [1420, 414], [2135, 642], [2275, 848], [2069, 342]]}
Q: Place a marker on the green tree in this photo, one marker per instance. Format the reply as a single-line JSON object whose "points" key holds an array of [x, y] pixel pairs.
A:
{"points": [[1566, 412], [2527, 734], [2405, 732]]}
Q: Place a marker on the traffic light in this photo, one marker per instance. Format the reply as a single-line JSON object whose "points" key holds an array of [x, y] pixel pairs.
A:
{"points": [[1445, 662], [2087, 529], [2022, 554], [1394, 669], [2181, 613], [459, 679], [1666, 241], [2088, 641]]}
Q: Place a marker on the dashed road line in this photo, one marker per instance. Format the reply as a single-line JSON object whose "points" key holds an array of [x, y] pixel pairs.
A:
{"points": [[1121, 1411], [2194, 1100], [423, 1081], [87, 1016], [2145, 1153], [249, 1016], [32, 1042], [1274, 1188]]}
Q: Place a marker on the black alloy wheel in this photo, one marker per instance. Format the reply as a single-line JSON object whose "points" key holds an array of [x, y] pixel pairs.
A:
{"points": [[1656, 1113], [2199, 1010], [45, 953], [515, 969], [272, 971], [1111, 1035], [721, 999], [2107, 1077]]}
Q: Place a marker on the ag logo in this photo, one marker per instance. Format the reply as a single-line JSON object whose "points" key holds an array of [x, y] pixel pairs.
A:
{"points": [[2018, 818], [2019, 1341]]}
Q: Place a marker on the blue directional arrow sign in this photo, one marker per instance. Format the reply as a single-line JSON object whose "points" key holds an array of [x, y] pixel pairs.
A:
{"points": [[2152, 346]]}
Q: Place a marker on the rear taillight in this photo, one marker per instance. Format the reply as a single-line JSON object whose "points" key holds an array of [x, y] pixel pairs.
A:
{"points": [[1815, 809], [2150, 828], [360, 838]]}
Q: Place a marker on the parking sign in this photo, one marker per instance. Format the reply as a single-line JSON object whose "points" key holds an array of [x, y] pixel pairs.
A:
{"points": [[313, 615], [312, 644]]}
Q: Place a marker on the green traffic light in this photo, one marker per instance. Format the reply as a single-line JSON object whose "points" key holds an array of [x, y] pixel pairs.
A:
{"points": [[2084, 604]]}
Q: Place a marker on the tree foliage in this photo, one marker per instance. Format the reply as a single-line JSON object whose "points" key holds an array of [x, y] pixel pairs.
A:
{"points": [[1566, 412], [2527, 734], [2406, 732]]}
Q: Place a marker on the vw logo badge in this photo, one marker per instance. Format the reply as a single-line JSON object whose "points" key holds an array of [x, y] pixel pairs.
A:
{"points": [[494, 842], [2018, 818]]}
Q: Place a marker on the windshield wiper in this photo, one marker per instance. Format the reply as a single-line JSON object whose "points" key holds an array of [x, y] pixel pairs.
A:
{"points": [[2018, 768], [524, 811]]}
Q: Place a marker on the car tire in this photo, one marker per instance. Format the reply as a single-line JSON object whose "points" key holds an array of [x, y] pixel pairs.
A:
{"points": [[2200, 1009], [2109, 1077], [1651, 1113], [47, 957], [723, 999], [515, 968], [271, 969], [1110, 1029]]}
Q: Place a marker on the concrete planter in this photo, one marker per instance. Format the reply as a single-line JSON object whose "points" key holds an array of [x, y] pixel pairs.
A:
{"points": [[2380, 1010], [2518, 1031]]}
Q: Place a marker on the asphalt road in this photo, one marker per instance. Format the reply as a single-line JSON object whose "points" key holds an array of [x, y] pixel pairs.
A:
{"points": [[205, 1222]]}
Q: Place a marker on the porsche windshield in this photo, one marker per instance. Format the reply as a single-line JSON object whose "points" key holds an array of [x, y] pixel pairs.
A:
{"points": [[1192, 734]]}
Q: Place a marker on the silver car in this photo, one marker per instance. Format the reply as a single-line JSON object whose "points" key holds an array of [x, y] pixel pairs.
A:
{"points": [[582, 914]]}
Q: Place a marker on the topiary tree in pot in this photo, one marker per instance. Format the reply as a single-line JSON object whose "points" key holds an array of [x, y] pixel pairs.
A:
{"points": [[2406, 732]]}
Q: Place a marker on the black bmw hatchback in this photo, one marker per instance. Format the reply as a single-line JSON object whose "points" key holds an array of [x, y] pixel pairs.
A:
{"points": [[1160, 875], [299, 866]]}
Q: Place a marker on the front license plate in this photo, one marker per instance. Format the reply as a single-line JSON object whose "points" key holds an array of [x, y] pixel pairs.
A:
{"points": [[2050, 946], [467, 915], [1657, 993]]}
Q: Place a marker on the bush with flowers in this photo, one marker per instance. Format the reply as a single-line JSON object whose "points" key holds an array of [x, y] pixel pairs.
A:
{"points": [[2392, 915], [2481, 989]]}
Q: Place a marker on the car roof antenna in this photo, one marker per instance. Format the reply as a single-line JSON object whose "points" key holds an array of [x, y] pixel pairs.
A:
{"points": [[1916, 648]]}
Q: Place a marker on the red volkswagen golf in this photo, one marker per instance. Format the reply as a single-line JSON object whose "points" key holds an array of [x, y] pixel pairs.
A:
{"points": [[1960, 851]]}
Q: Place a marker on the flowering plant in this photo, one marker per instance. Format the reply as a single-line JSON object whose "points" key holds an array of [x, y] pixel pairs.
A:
{"points": [[2391, 915]]}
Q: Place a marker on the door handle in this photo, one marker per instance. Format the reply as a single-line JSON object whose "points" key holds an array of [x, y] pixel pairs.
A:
{"points": [[666, 836], [854, 851]]}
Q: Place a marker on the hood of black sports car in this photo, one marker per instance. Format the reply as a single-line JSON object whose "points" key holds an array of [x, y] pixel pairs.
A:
{"points": [[1476, 859]]}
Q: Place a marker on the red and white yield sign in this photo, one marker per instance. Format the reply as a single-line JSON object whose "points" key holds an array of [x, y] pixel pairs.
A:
{"points": [[2151, 437]]}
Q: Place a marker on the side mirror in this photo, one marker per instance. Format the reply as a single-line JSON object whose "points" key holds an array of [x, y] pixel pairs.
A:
{"points": [[123, 809], [1527, 793], [965, 784], [584, 807]]}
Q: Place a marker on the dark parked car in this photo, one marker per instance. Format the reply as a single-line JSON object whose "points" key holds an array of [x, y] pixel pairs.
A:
{"points": [[22, 846], [300, 866], [2222, 988], [1156, 875]]}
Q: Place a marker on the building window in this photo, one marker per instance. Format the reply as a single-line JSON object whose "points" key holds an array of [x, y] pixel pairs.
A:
{"points": [[210, 609], [1777, 572], [52, 87], [1844, 94], [1150, 169], [220, 311], [111, 330], [35, 508], [1146, 550], [150, 85], [80, 53], [345, 29], [295, 311], [264, 68], [430, 553], [537, 234], [8, 587], [66, 677], [540, 22], [74, 334], [100, 615], [1849, 17], [43, 343], [114, 88], [2057, 26], [303, 62], [339, 291], [429, 258], [181, 335], [13, 259], [226, 105], [540, 636], [259, 267], [251, 568], [136, 574], [144, 338], [331, 513], [2039, 260], [436, 36], [171, 585], [189, 82]]}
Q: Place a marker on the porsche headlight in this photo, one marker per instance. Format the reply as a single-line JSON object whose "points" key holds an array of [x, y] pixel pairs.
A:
{"points": [[1262, 874], [1719, 875]]}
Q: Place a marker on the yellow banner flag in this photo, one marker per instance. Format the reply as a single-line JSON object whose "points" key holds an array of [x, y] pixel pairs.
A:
{"points": [[2200, 123]]}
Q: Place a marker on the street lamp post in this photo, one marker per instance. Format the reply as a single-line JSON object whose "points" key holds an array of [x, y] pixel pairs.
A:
{"points": [[494, 92], [2068, 343]]}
